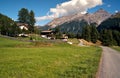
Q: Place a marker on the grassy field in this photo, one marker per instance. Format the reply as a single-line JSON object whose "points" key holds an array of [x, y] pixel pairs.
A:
{"points": [[5, 42], [56, 60], [74, 41], [116, 48], [33, 36]]}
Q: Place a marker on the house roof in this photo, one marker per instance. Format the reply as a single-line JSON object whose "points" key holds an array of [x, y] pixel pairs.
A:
{"points": [[46, 31], [22, 24]]}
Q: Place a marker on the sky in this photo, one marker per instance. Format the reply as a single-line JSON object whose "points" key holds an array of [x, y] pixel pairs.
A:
{"points": [[47, 10]]}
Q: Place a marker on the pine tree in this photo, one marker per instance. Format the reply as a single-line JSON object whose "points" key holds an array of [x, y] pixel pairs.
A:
{"points": [[116, 37], [78, 35], [86, 33], [94, 34], [8, 26], [31, 21], [27, 17], [107, 37], [57, 32], [71, 35], [23, 16]]}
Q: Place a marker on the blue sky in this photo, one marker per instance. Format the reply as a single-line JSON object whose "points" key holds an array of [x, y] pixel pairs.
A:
{"points": [[42, 7]]}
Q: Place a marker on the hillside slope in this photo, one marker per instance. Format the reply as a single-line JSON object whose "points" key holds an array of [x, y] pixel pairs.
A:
{"points": [[74, 23]]}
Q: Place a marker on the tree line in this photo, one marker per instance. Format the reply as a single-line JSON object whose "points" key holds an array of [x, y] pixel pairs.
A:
{"points": [[9, 27], [108, 37], [91, 34], [24, 16], [108, 32]]}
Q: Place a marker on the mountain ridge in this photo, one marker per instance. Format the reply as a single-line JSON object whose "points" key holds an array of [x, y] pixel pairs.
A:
{"points": [[97, 17]]}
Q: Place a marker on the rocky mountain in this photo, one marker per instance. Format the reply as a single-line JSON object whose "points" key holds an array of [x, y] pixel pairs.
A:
{"points": [[96, 17], [74, 23], [112, 23]]}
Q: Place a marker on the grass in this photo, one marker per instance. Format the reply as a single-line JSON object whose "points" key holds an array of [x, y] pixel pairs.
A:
{"points": [[33, 36], [116, 48], [4, 42], [74, 41], [56, 61]]}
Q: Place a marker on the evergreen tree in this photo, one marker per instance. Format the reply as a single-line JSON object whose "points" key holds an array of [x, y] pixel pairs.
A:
{"points": [[37, 30], [112, 23], [94, 34], [27, 17], [8, 26], [57, 32], [23, 16], [58, 35], [86, 33], [116, 37], [0, 28], [106, 37], [110, 36], [31, 21], [78, 35], [71, 35]]}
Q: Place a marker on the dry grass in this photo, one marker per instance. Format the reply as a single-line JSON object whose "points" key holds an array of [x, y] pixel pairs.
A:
{"points": [[52, 60], [86, 43]]}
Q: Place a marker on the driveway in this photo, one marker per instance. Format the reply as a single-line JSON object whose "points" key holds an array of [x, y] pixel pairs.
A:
{"points": [[110, 64]]}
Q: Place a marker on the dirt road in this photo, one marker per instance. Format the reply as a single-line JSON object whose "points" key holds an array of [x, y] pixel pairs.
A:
{"points": [[110, 65]]}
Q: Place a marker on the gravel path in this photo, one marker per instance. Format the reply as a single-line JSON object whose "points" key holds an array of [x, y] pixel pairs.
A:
{"points": [[110, 64]]}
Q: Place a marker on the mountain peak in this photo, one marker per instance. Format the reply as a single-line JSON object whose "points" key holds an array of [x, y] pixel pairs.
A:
{"points": [[96, 17], [101, 11]]}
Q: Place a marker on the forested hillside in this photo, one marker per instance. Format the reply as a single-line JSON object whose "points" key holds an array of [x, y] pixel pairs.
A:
{"points": [[8, 26]]}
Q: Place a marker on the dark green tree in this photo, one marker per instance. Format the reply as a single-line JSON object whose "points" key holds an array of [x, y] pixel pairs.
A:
{"points": [[71, 35], [0, 28], [23, 16], [116, 37], [106, 37], [31, 21], [78, 36], [57, 32], [86, 33], [37, 30], [112, 23], [94, 34], [58, 35], [8, 26]]}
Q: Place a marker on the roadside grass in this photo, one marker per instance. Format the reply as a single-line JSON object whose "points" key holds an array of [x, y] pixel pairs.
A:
{"points": [[74, 41], [58, 61], [33, 36], [116, 48], [5, 42]]}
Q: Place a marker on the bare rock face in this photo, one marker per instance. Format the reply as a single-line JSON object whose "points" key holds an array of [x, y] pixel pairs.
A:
{"points": [[75, 23], [100, 16], [97, 17], [61, 20]]}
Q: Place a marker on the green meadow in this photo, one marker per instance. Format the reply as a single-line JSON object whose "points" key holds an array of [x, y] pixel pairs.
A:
{"points": [[116, 48], [47, 60]]}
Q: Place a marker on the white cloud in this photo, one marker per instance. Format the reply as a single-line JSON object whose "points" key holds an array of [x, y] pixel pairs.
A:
{"points": [[70, 7], [45, 17], [116, 11], [108, 5]]}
